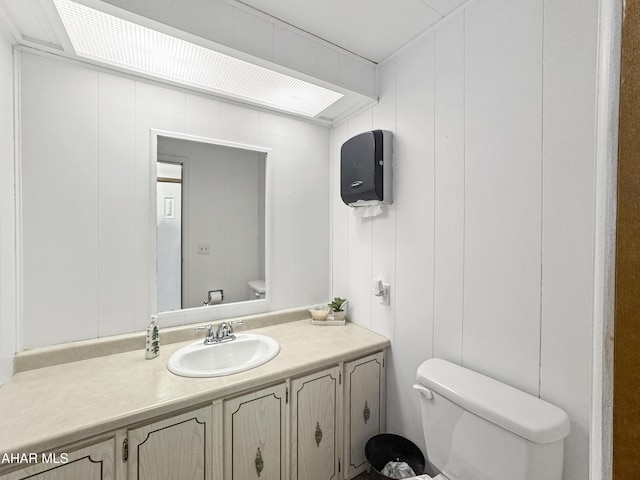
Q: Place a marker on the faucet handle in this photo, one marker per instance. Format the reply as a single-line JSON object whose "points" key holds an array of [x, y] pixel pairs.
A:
{"points": [[208, 328], [234, 322]]}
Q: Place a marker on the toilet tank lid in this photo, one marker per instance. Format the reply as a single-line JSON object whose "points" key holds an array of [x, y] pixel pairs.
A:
{"points": [[517, 411], [257, 286]]}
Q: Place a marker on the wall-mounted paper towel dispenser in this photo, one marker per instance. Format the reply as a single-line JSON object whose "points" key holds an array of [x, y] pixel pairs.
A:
{"points": [[366, 169]]}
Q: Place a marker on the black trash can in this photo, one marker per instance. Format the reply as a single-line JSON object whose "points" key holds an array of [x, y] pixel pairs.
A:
{"points": [[387, 447]]}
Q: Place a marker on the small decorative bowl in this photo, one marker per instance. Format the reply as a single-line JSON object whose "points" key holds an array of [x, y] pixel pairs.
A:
{"points": [[319, 314]]}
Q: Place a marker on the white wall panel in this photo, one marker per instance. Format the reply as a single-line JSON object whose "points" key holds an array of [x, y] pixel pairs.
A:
{"points": [[360, 246], [449, 189], [8, 326], [116, 221], [568, 221], [340, 214], [59, 201], [384, 227], [241, 125], [203, 116], [162, 109], [414, 202], [470, 124], [503, 92]]}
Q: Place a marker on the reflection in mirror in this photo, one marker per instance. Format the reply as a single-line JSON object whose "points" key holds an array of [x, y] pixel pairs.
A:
{"points": [[210, 229], [169, 236]]}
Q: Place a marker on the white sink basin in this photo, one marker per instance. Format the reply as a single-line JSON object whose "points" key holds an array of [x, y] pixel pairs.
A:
{"points": [[247, 351]]}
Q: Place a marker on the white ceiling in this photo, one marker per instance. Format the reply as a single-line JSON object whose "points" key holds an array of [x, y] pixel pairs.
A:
{"points": [[372, 29]]}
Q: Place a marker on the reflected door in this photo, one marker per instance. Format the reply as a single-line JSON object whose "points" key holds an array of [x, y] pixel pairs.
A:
{"points": [[169, 236]]}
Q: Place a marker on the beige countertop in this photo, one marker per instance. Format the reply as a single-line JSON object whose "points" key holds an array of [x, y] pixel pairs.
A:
{"points": [[49, 407]]}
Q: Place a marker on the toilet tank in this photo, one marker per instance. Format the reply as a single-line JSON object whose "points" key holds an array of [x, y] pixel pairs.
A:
{"points": [[477, 428], [257, 289]]}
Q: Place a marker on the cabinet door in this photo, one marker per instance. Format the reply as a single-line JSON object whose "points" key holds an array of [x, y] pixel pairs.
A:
{"points": [[315, 402], [255, 435], [95, 462], [177, 447], [364, 409]]}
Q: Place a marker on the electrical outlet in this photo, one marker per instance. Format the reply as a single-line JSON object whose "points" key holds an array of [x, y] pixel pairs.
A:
{"points": [[203, 249]]}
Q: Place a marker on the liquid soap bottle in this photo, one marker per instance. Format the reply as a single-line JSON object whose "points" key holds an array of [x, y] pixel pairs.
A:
{"points": [[153, 339]]}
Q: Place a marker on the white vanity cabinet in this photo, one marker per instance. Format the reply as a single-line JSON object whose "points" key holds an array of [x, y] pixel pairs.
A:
{"points": [[309, 426], [255, 435], [316, 404], [297, 430], [364, 389], [93, 462], [180, 446]]}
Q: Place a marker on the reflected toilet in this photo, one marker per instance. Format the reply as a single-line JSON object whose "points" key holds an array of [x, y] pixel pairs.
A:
{"points": [[257, 289]]}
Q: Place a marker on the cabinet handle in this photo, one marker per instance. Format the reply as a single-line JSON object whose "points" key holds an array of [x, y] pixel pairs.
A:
{"points": [[125, 451], [259, 462], [366, 413], [318, 434]]}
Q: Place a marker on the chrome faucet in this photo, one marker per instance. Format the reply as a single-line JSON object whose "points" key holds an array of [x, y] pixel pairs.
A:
{"points": [[224, 332], [210, 338]]}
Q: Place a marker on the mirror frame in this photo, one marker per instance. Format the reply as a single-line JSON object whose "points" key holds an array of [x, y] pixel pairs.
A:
{"points": [[219, 311]]}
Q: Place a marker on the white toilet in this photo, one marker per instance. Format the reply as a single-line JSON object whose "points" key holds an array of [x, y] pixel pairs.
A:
{"points": [[257, 289], [477, 428]]}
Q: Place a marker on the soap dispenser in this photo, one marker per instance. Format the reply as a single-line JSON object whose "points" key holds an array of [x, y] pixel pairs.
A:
{"points": [[153, 339]]}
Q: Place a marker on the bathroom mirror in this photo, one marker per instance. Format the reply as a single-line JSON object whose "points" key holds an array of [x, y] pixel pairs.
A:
{"points": [[210, 230]]}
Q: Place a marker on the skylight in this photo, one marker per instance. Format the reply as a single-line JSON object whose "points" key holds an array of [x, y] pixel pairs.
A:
{"points": [[99, 36]]}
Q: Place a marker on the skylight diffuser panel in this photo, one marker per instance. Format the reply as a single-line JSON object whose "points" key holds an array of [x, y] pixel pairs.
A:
{"points": [[106, 38]]}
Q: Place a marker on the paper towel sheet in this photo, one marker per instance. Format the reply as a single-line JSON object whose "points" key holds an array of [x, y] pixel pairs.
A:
{"points": [[363, 209]]}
